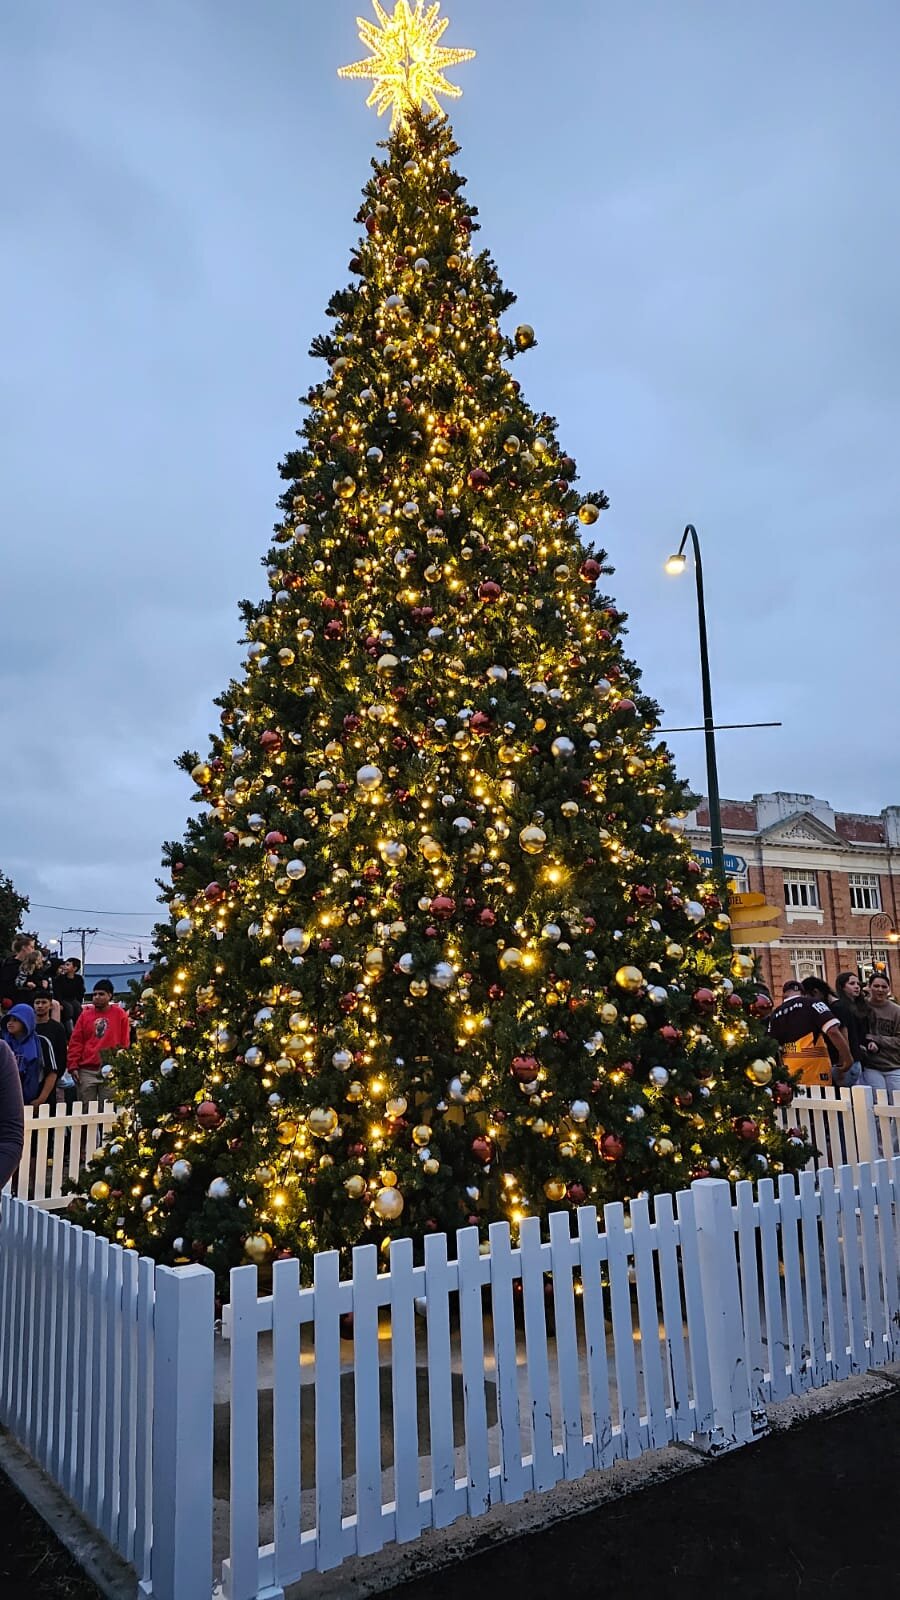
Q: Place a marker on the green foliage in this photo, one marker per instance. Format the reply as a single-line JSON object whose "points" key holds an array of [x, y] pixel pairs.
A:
{"points": [[13, 907], [433, 953]]}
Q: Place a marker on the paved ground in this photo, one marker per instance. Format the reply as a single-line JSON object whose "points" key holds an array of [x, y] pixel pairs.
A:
{"points": [[808, 1512], [33, 1564]]}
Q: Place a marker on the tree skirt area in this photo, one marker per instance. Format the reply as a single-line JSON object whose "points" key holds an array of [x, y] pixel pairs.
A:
{"points": [[804, 1512], [33, 1563]]}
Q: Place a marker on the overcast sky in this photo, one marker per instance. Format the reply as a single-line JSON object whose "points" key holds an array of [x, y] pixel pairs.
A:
{"points": [[697, 204]]}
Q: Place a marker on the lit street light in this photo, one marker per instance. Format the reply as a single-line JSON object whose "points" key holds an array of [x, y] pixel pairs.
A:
{"points": [[675, 567]]}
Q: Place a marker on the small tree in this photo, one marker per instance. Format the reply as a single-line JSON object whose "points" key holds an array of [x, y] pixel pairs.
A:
{"points": [[13, 907]]}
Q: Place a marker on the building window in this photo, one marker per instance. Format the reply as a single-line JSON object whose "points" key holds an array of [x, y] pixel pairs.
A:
{"points": [[807, 964], [865, 892], [801, 889], [740, 880], [865, 964]]}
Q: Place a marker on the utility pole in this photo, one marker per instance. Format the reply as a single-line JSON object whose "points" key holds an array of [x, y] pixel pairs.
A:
{"points": [[84, 934]]}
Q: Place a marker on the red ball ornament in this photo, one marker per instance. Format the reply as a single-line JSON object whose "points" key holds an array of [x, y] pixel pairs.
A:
{"points": [[480, 723], [208, 1114], [704, 999], [270, 740], [684, 1099], [352, 722], [624, 707], [735, 1003], [178, 866], [761, 1005], [611, 1147], [746, 1128], [577, 1193], [496, 991], [489, 590], [214, 891], [482, 1149], [443, 906], [693, 867], [524, 1068], [700, 1172], [348, 1003], [479, 479], [782, 1094], [643, 894], [334, 629], [371, 226], [487, 917], [590, 570], [670, 1034]]}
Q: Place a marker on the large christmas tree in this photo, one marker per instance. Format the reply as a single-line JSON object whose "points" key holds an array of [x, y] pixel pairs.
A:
{"points": [[433, 953]]}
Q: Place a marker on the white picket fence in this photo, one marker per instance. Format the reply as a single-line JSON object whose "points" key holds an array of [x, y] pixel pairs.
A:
{"points": [[474, 1375], [58, 1145], [845, 1125]]}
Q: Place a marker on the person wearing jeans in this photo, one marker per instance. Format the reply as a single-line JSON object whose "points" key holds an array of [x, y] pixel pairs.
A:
{"points": [[881, 1063]]}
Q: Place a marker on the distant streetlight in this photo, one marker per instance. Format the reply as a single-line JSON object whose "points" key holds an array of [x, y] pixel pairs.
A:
{"points": [[675, 567], [881, 922]]}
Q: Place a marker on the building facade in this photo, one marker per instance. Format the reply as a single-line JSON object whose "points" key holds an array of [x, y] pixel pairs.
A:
{"points": [[835, 875]]}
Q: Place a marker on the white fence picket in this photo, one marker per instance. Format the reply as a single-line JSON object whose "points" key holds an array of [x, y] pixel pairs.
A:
{"points": [[367, 1401], [446, 1502], [471, 1333], [619, 1259], [789, 1211], [890, 1260], [563, 1257], [329, 1529], [812, 1279], [776, 1341], [403, 1392], [515, 1478], [545, 1465], [286, 1401], [593, 1255], [750, 1290], [658, 1432], [682, 1411], [850, 1244], [243, 1571], [874, 1307]]}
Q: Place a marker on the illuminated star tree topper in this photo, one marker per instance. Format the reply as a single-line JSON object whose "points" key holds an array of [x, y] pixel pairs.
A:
{"points": [[408, 62]]}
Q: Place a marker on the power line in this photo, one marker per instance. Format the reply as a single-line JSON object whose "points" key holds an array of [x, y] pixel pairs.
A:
{"points": [[92, 911]]}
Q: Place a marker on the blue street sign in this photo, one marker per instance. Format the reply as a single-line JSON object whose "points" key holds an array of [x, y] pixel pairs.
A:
{"points": [[734, 865]]}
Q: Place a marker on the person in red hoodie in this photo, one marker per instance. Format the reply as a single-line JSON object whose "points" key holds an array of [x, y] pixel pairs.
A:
{"points": [[101, 1027]]}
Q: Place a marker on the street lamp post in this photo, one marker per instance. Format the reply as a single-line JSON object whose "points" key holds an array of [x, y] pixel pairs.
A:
{"points": [[675, 566], [885, 924]]}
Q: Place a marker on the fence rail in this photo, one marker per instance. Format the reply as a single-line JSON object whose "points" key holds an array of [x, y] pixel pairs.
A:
{"points": [[472, 1374]]}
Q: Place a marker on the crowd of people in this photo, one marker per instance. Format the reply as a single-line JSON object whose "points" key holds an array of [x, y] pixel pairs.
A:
{"points": [[845, 1035], [57, 1039]]}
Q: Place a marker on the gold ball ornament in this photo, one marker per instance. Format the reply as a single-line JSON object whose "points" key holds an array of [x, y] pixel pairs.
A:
{"points": [[609, 1013], [525, 336], [322, 1121], [429, 848], [569, 808], [637, 1022], [532, 840], [630, 979], [388, 1204], [396, 1107], [664, 1147], [201, 774], [422, 1135], [374, 961], [355, 1187], [741, 965], [510, 959], [100, 1190], [674, 951], [760, 1072], [418, 988], [432, 1166], [258, 1247], [555, 1189], [287, 1133], [589, 514]]}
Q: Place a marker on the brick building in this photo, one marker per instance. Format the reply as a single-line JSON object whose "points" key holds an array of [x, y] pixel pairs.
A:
{"points": [[835, 874]]}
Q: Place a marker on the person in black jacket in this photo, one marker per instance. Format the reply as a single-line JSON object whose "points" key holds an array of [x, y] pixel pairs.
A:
{"points": [[55, 1034], [68, 989], [22, 974]]}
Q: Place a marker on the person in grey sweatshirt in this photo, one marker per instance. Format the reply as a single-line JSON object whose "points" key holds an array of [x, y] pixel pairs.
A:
{"points": [[12, 1115]]}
